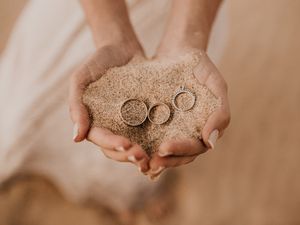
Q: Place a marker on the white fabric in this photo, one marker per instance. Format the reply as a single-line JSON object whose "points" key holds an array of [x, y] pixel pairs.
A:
{"points": [[50, 39]]}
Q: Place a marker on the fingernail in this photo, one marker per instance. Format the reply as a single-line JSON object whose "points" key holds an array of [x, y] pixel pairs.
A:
{"points": [[75, 131], [120, 149], [163, 154], [158, 170], [155, 177], [213, 137], [132, 158]]}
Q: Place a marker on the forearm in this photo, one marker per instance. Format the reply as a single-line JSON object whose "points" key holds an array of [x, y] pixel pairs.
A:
{"points": [[189, 25], [109, 22]]}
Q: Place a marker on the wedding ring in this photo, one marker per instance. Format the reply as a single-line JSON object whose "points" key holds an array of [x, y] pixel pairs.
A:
{"points": [[159, 113], [133, 112], [182, 90]]}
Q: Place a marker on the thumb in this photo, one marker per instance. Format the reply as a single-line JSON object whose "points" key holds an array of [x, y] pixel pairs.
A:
{"points": [[80, 118], [78, 111], [207, 74], [215, 126]]}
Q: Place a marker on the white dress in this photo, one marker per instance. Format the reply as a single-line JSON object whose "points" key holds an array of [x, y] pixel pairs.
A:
{"points": [[50, 39]]}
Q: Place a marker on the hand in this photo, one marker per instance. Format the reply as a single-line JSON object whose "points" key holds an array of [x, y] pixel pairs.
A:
{"points": [[175, 153], [113, 146]]}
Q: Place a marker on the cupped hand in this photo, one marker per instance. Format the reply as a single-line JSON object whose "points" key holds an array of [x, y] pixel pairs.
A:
{"points": [[173, 153], [113, 146]]}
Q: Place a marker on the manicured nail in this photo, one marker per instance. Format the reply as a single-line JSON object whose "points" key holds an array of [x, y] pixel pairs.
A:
{"points": [[158, 170], [132, 158], [146, 173], [163, 154], [155, 177], [120, 149], [75, 131], [213, 137]]}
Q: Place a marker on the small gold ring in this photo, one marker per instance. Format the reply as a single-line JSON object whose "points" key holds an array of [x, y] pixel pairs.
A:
{"points": [[183, 90], [152, 120], [136, 119]]}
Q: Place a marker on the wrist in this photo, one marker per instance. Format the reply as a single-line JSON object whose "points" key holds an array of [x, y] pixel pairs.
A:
{"points": [[181, 36], [109, 23], [115, 34], [189, 25], [194, 43], [124, 48]]}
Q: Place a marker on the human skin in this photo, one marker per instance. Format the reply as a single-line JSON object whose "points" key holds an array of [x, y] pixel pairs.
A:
{"points": [[116, 44], [187, 31]]}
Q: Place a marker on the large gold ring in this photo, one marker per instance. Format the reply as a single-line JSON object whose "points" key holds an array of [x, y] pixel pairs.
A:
{"points": [[133, 112]]}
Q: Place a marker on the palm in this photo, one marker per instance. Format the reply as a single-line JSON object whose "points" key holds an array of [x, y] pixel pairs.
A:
{"points": [[113, 146], [174, 153]]}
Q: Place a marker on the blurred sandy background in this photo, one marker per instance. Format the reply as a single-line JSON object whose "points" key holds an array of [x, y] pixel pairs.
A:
{"points": [[253, 177]]}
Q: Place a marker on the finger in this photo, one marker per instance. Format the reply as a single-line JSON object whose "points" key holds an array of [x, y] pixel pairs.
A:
{"points": [[139, 157], [186, 147], [208, 74], [78, 111], [215, 126], [104, 138], [158, 164], [114, 155], [81, 123], [134, 155], [87, 73]]}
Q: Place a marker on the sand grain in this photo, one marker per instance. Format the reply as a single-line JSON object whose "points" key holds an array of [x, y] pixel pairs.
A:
{"points": [[151, 81]]}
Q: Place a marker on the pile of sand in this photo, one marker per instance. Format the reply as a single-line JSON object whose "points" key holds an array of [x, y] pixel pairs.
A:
{"points": [[151, 81]]}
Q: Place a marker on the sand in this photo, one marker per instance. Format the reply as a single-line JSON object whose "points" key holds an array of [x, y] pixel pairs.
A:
{"points": [[260, 174], [152, 82]]}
